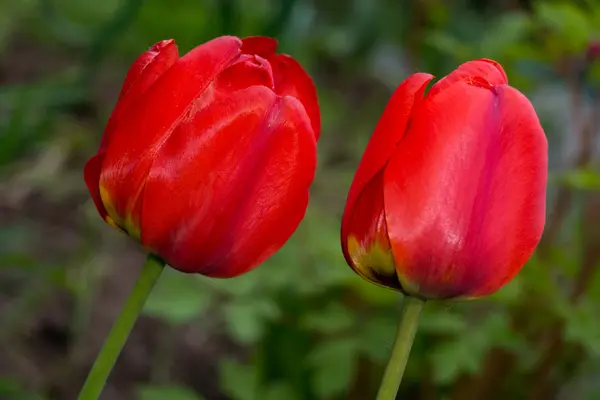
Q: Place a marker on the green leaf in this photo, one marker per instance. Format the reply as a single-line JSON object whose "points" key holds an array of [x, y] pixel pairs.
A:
{"points": [[377, 335], [465, 353], [451, 358], [167, 392], [442, 322], [246, 319], [279, 391], [443, 42], [568, 21], [334, 364], [582, 325], [241, 382], [511, 293], [178, 298], [506, 33], [330, 319], [585, 179], [11, 389]]}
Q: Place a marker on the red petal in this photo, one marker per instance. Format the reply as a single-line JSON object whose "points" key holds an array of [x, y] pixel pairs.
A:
{"points": [[390, 129], [465, 192], [292, 80], [144, 72], [231, 184], [488, 70], [91, 174], [138, 138], [259, 45], [365, 240], [247, 71]]}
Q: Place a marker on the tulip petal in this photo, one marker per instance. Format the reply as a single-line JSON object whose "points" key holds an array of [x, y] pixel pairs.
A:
{"points": [[144, 72], [388, 133], [365, 241], [230, 185], [465, 192], [259, 45], [486, 69], [91, 174], [292, 80], [247, 71], [138, 138]]}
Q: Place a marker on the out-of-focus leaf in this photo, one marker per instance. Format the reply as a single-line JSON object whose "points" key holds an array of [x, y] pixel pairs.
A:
{"points": [[585, 179], [241, 382], [442, 323], [582, 325], [465, 353], [167, 392], [246, 319], [334, 364], [178, 298], [447, 44], [452, 358], [332, 318], [509, 30], [279, 391], [10, 389], [568, 21], [376, 335]]}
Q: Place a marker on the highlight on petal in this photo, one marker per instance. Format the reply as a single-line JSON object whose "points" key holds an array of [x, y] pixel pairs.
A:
{"points": [[486, 69], [465, 214], [388, 133], [292, 80], [235, 193], [364, 237], [138, 138], [259, 45]]}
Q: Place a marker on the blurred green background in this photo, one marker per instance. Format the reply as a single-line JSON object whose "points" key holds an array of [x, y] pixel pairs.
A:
{"points": [[303, 326]]}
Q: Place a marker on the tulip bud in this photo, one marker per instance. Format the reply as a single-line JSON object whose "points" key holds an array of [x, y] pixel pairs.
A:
{"points": [[449, 198], [207, 158]]}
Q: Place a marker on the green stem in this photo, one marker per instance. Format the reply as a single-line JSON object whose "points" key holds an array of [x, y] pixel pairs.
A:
{"points": [[409, 321], [121, 329]]}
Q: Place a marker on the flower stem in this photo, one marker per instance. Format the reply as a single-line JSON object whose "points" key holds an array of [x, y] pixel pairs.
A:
{"points": [[409, 321], [121, 329]]}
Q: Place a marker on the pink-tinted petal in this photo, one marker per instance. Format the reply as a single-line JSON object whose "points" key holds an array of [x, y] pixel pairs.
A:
{"points": [[464, 193], [144, 72], [488, 70], [138, 138], [230, 184], [292, 80], [259, 45], [388, 133], [365, 238]]}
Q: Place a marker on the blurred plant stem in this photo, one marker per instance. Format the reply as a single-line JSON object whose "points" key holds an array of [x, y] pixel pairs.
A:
{"points": [[121, 329], [409, 321]]}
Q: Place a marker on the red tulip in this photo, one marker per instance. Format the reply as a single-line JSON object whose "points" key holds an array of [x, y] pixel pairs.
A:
{"points": [[207, 158], [449, 199]]}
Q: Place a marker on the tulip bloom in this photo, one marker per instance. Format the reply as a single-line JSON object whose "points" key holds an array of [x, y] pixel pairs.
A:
{"points": [[449, 198], [207, 158]]}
